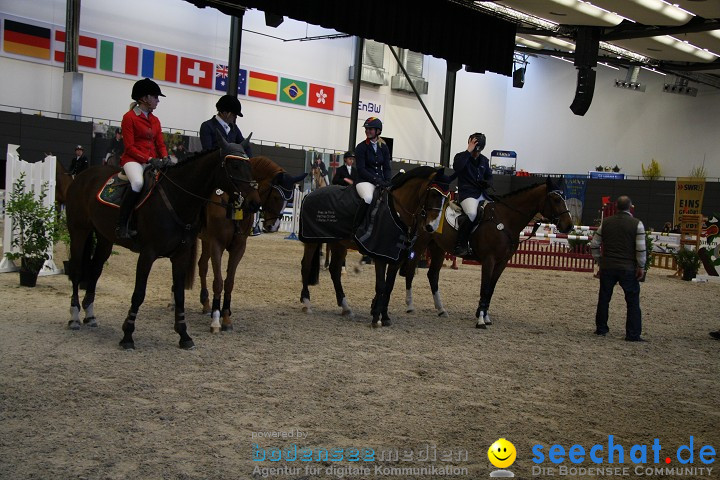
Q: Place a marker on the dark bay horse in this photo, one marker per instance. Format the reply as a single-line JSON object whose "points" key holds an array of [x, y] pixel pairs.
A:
{"points": [[493, 242], [417, 201], [167, 225], [62, 181], [219, 233]]}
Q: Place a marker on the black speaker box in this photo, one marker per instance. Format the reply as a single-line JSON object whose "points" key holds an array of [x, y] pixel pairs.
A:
{"points": [[519, 78], [584, 91]]}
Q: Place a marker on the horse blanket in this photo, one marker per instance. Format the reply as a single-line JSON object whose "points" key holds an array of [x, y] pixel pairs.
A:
{"points": [[328, 214]]}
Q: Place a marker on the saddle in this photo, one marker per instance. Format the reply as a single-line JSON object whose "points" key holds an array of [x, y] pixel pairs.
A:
{"points": [[113, 190], [453, 210]]}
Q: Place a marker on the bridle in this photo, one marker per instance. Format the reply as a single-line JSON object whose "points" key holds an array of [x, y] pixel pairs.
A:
{"points": [[285, 194], [556, 218]]}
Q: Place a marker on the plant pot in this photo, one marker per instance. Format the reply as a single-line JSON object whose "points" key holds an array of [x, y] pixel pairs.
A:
{"points": [[688, 275], [28, 278]]}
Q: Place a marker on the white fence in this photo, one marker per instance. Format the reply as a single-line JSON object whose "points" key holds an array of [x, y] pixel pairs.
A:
{"points": [[36, 175]]}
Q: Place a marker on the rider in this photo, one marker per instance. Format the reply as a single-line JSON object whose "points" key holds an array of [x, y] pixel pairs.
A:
{"points": [[474, 177], [373, 160], [143, 145], [228, 108]]}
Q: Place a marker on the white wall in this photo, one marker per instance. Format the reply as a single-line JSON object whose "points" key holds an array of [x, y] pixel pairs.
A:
{"points": [[622, 127]]}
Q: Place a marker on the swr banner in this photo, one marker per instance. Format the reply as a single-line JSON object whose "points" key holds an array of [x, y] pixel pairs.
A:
{"points": [[689, 192]]}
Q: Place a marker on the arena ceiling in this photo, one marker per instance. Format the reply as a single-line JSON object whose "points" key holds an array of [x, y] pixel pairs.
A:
{"points": [[681, 38]]}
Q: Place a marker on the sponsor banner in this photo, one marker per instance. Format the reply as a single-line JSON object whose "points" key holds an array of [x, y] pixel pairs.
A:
{"points": [[689, 192]]}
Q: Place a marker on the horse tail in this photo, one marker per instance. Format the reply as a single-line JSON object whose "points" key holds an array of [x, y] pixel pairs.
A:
{"points": [[314, 277], [192, 262]]}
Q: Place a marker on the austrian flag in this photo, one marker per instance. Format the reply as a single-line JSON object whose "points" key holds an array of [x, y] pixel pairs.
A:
{"points": [[196, 72]]}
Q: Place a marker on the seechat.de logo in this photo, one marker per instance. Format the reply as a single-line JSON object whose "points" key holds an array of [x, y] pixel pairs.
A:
{"points": [[502, 454]]}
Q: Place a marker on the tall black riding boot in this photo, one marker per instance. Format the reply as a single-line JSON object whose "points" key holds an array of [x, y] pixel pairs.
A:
{"points": [[462, 246], [126, 207]]}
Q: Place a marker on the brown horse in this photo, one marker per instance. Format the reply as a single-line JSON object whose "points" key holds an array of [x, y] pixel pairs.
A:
{"points": [[417, 201], [62, 181], [494, 241], [167, 224], [219, 233]]}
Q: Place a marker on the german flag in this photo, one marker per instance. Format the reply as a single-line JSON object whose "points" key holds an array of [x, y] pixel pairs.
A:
{"points": [[28, 40]]}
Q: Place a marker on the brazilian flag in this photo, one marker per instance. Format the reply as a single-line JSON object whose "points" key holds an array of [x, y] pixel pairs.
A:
{"points": [[293, 91]]}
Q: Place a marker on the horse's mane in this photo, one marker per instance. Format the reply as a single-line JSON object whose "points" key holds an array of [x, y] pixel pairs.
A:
{"points": [[521, 190], [417, 172], [265, 167], [195, 156]]}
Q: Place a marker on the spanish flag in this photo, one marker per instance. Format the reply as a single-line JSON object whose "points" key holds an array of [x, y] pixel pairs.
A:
{"points": [[28, 40], [263, 86]]}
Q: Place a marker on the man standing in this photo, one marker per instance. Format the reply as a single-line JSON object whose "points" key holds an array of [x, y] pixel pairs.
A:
{"points": [[621, 260], [79, 162], [347, 174]]}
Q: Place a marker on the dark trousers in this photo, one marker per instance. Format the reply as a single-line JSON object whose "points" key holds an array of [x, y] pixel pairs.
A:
{"points": [[631, 287]]}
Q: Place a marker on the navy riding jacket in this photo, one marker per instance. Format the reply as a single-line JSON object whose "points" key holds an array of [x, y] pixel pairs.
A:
{"points": [[208, 130], [471, 172], [373, 166]]}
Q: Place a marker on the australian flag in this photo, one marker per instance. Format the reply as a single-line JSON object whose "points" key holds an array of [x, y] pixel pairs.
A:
{"points": [[221, 79]]}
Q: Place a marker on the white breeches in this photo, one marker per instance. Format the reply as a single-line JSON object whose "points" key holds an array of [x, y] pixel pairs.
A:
{"points": [[470, 206], [134, 172], [366, 190]]}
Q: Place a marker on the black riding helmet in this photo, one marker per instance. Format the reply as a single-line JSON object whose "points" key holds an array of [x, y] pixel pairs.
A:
{"points": [[480, 139], [229, 103], [145, 87], [349, 154]]}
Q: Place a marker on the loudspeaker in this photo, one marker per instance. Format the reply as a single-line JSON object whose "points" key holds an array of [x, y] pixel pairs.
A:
{"points": [[272, 20], [519, 78], [584, 91]]}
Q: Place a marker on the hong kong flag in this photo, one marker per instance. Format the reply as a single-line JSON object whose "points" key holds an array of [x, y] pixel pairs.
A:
{"points": [[321, 96], [196, 72]]}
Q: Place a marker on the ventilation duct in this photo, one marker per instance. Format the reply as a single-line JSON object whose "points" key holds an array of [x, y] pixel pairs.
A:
{"points": [[413, 63], [373, 59]]}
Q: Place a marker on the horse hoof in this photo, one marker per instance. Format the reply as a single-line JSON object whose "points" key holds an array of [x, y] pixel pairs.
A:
{"points": [[347, 313], [488, 322], [480, 325], [127, 345], [214, 329], [187, 345], [206, 310], [443, 314], [376, 323], [90, 322], [226, 328], [386, 322], [410, 310], [74, 325]]}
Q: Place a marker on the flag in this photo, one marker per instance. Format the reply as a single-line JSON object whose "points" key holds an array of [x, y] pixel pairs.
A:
{"points": [[293, 91], [221, 79], [159, 65], [118, 57], [196, 72], [25, 39], [334, 161], [263, 85], [87, 50], [321, 96]]}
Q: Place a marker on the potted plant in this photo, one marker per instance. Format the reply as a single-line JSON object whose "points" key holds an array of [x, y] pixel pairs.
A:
{"points": [[64, 237], [34, 228], [688, 261]]}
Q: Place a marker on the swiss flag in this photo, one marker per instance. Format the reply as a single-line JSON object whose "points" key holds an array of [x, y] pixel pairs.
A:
{"points": [[321, 96], [196, 72]]}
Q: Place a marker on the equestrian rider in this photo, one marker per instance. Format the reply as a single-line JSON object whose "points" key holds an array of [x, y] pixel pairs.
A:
{"points": [[474, 177], [373, 161], [346, 175], [228, 108], [143, 145]]}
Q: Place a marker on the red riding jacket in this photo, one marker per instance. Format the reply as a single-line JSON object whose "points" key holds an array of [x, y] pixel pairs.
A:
{"points": [[143, 137]]}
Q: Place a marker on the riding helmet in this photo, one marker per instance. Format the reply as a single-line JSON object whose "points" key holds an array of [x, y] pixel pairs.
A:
{"points": [[373, 122], [229, 103], [145, 87], [480, 139], [349, 154]]}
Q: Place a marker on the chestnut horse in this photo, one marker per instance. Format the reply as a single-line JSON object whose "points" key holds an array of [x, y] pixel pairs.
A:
{"points": [[219, 233], [167, 224], [417, 200], [493, 242]]}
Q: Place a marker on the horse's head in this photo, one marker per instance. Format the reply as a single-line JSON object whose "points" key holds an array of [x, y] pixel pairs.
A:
{"points": [[554, 207], [274, 200], [437, 194], [238, 173]]}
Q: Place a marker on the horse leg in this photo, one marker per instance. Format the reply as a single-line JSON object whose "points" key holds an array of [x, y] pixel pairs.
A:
{"points": [[142, 271], [179, 270], [390, 277], [216, 260], [339, 253], [437, 256], [488, 292], [236, 254], [203, 271], [376, 308], [310, 271], [488, 268], [103, 249], [327, 256], [78, 241]]}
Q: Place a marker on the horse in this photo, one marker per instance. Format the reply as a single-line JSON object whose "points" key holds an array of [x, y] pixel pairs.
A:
{"points": [[167, 224], [417, 200], [318, 181], [63, 179], [493, 242], [220, 233]]}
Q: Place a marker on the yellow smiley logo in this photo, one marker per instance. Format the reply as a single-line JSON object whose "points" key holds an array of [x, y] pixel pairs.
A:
{"points": [[502, 453]]}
